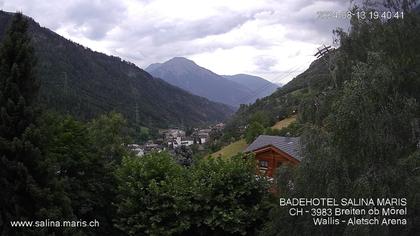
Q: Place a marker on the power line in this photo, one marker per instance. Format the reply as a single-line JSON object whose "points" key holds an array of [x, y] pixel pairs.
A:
{"points": [[296, 69], [256, 92]]}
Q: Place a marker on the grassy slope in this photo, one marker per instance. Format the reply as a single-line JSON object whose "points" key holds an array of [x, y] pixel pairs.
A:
{"points": [[231, 149], [284, 123], [240, 145]]}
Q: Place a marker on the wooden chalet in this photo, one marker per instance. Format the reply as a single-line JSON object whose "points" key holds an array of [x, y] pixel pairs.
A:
{"points": [[274, 151]]}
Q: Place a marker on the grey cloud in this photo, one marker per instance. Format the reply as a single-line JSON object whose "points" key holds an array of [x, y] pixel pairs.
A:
{"points": [[152, 38], [144, 51], [161, 33], [295, 54], [202, 28], [304, 24], [161, 41], [264, 63], [96, 17]]}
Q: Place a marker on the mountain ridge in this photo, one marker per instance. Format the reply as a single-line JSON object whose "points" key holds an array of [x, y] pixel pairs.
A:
{"points": [[284, 102], [260, 87], [78, 81], [188, 75]]}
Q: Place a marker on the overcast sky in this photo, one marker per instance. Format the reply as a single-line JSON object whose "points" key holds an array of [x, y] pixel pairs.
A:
{"points": [[274, 39]]}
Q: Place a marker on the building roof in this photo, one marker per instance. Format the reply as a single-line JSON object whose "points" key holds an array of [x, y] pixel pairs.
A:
{"points": [[289, 145]]}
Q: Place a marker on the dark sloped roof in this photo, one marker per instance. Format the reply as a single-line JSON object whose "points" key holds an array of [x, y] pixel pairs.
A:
{"points": [[289, 145]]}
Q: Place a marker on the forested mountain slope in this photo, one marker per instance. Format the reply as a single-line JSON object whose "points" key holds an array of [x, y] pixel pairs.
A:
{"points": [[84, 83], [285, 101]]}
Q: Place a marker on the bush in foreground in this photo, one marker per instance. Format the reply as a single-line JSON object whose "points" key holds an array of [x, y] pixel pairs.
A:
{"points": [[157, 196]]}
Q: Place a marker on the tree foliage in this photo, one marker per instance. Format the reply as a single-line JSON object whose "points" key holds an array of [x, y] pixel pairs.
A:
{"points": [[157, 196], [85, 156], [360, 138], [253, 131], [28, 187], [184, 155]]}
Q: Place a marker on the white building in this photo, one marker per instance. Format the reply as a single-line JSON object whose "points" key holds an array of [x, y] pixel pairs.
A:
{"points": [[203, 140], [187, 142], [137, 149], [174, 143]]}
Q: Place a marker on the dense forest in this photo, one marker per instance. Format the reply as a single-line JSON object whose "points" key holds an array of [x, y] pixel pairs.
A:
{"points": [[358, 116]]}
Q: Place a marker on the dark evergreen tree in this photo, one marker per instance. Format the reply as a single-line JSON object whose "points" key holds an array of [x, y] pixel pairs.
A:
{"points": [[26, 180], [17, 92], [85, 157]]}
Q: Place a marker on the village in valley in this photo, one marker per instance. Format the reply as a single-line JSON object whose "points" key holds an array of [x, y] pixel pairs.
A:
{"points": [[172, 138]]}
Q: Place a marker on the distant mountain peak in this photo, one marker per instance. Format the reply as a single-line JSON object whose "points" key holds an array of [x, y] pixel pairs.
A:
{"points": [[181, 59], [179, 64], [186, 74]]}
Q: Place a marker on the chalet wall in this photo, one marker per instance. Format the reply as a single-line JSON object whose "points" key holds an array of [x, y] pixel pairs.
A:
{"points": [[269, 159]]}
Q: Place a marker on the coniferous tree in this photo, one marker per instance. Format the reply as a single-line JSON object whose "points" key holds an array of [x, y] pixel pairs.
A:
{"points": [[26, 180]]}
